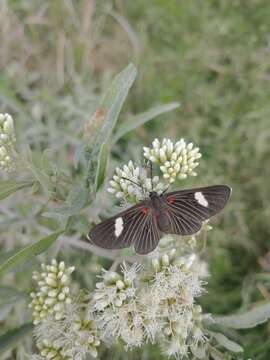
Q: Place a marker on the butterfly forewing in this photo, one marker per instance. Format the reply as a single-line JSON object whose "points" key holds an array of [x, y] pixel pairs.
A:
{"points": [[186, 209], [134, 226]]}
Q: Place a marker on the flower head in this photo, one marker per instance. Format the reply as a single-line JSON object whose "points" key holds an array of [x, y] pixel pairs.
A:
{"points": [[168, 305], [53, 290], [51, 351], [132, 184], [115, 288], [7, 140], [175, 160], [115, 308]]}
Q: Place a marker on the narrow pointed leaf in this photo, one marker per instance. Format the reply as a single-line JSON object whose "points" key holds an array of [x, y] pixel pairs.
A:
{"points": [[8, 187], [227, 343], [251, 318], [27, 252], [12, 337], [9, 296], [140, 119], [102, 165], [110, 107]]}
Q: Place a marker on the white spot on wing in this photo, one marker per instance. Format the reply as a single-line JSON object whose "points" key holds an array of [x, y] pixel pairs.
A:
{"points": [[201, 199], [118, 226]]}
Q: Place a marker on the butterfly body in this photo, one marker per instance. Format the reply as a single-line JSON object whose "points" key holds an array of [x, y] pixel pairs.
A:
{"points": [[158, 205], [181, 212]]}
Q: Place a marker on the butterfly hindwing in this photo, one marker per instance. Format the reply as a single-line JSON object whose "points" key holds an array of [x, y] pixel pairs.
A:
{"points": [[149, 235], [186, 209], [134, 226]]}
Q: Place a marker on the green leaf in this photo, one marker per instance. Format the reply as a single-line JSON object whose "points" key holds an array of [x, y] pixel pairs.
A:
{"points": [[42, 170], [248, 319], [110, 105], [227, 343], [8, 187], [11, 337], [8, 298], [140, 119], [27, 252], [113, 100], [216, 355], [102, 165], [8, 95], [77, 199]]}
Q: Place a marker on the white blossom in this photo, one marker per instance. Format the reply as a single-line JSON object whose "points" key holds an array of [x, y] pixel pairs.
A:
{"points": [[51, 351], [115, 302], [53, 292], [114, 288], [155, 303], [7, 140], [175, 160], [74, 335], [132, 184]]}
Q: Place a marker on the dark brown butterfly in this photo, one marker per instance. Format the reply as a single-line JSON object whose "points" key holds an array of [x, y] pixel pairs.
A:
{"points": [[179, 212]]}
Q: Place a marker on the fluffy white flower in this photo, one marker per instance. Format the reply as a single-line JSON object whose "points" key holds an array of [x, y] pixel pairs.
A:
{"points": [[175, 160], [74, 336], [135, 306], [7, 140], [114, 288], [53, 290], [115, 308], [51, 351], [168, 303], [132, 184]]}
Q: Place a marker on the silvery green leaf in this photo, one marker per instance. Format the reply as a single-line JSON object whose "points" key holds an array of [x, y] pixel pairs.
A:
{"points": [[26, 253], [251, 318], [8, 187], [11, 337], [35, 166], [227, 343], [79, 152], [77, 199], [8, 298], [139, 119], [113, 100], [216, 355], [101, 166], [199, 352], [110, 107]]}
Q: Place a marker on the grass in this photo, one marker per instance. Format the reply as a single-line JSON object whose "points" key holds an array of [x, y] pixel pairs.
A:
{"points": [[212, 56]]}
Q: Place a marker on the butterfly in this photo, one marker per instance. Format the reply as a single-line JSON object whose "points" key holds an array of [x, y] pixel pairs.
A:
{"points": [[180, 212]]}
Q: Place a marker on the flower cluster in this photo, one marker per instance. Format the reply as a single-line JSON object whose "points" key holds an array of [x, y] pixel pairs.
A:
{"points": [[53, 291], [174, 160], [132, 184], [155, 305], [73, 337], [63, 329], [114, 307], [50, 352], [175, 285], [7, 140], [178, 160]]}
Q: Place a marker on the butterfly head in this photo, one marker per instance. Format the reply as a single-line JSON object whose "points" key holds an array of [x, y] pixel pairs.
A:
{"points": [[153, 194]]}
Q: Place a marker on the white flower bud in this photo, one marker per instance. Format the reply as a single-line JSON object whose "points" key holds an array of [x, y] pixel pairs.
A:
{"points": [[165, 260]]}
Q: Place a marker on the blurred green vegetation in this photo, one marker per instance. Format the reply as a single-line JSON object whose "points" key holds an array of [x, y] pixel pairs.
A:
{"points": [[57, 57]]}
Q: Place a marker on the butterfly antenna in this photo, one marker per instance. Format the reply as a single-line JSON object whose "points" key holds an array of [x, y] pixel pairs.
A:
{"points": [[164, 191], [133, 182], [140, 185]]}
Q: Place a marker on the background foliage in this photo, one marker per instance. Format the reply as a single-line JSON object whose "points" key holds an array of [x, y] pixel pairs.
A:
{"points": [[58, 57]]}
